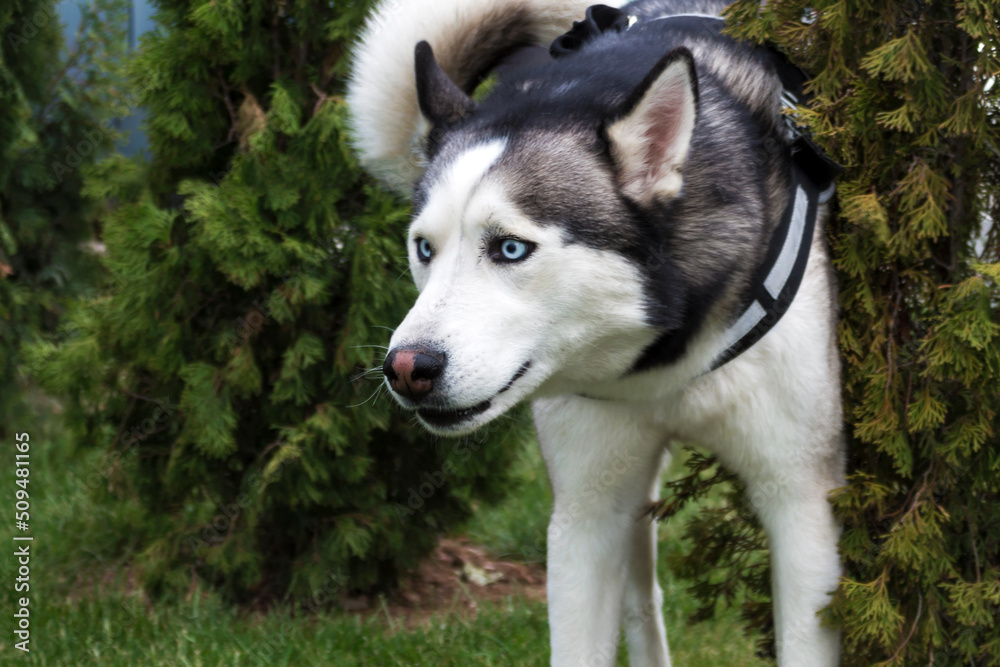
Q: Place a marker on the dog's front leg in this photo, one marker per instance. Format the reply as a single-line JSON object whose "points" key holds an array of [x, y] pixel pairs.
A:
{"points": [[802, 534], [642, 618], [602, 461]]}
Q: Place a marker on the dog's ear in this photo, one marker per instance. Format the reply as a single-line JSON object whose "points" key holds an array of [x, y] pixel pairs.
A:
{"points": [[441, 101], [650, 136]]}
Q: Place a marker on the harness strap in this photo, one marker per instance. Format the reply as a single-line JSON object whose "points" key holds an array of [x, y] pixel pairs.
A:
{"points": [[776, 281]]}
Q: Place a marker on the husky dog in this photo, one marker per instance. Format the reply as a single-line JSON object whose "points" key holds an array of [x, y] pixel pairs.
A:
{"points": [[588, 237]]}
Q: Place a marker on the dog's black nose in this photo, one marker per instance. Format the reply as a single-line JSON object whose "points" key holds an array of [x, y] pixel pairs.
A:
{"points": [[412, 371]]}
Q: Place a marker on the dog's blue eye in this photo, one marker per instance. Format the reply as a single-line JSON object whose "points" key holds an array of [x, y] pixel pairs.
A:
{"points": [[511, 250], [424, 250]]}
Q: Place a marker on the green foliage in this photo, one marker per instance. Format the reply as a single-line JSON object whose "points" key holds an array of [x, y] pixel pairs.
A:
{"points": [[906, 97], [230, 369], [56, 108]]}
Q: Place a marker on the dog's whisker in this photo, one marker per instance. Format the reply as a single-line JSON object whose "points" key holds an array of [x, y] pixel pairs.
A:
{"points": [[368, 372], [400, 276], [373, 395], [380, 392]]}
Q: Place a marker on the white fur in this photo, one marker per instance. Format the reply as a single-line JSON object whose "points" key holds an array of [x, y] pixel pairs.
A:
{"points": [[465, 299], [772, 415]]}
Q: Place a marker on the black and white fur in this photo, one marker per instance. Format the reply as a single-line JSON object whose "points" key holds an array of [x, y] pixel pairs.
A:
{"points": [[645, 174]]}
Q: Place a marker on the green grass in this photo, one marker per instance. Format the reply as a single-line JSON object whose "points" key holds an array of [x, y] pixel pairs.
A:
{"points": [[119, 631], [82, 541]]}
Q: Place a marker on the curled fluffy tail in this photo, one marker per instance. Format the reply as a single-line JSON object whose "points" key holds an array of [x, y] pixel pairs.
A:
{"points": [[469, 37]]}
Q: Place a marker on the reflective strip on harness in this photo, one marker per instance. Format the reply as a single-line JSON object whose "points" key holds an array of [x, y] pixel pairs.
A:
{"points": [[776, 281], [782, 268]]}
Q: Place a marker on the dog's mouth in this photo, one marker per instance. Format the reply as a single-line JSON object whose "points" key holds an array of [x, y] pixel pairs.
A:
{"points": [[517, 376], [449, 419]]}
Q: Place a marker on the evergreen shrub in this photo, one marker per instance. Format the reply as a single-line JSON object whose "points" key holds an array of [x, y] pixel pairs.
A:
{"points": [[231, 367], [906, 98], [58, 103]]}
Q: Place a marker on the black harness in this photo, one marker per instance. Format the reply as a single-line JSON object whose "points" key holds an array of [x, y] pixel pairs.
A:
{"points": [[777, 279]]}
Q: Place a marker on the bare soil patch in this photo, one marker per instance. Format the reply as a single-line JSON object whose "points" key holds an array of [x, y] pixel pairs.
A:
{"points": [[454, 580]]}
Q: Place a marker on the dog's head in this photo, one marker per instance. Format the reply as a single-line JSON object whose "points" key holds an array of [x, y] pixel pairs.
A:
{"points": [[527, 243]]}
